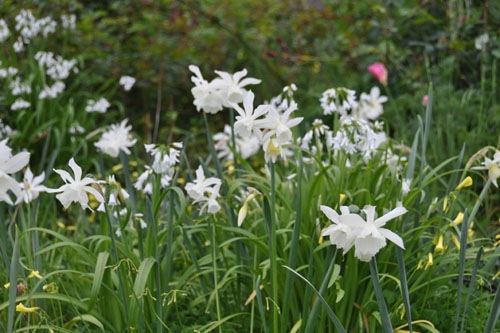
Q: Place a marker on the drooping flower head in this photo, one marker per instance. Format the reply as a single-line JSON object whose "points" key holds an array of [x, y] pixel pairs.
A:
{"points": [[379, 70]]}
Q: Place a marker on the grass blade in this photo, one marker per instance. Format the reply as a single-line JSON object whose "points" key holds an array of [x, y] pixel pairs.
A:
{"points": [[328, 309], [14, 266], [100, 268], [471, 286], [463, 247], [384, 313], [404, 286]]}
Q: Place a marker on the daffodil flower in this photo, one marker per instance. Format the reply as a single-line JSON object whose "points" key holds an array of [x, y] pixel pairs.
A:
{"points": [[205, 190], [21, 308], [75, 188], [232, 85], [367, 237], [31, 187], [493, 167], [10, 164]]}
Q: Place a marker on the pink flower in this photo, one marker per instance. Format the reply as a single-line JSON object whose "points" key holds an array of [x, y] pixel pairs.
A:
{"points": [[379, 71], [425, 100]]}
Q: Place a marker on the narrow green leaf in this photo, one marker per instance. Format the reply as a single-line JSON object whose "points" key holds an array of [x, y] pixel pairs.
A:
{"points": [[471, 286], [404, 286], [14, 266], [328, 309], [384, 313], [100, 267], [463, 248]]}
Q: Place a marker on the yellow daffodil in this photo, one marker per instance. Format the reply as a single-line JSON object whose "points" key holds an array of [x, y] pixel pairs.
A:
{"points": [[7, 285], [465, 183], [440, 246], [455, 241], [430, 261], [21, 308], [459, 219], [35, 274]]}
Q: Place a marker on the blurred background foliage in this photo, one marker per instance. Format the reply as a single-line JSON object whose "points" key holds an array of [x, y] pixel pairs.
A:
{"points": [[316, 44]]}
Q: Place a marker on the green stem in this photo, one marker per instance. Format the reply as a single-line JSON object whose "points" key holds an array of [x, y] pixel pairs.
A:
{"points": [[384, 314], [211, 227], [273, 250]]}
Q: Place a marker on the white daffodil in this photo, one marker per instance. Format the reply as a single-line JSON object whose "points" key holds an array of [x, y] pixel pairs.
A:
{"points": [[493, 167], [372, 236], [232, 86], [206, 95], [31, 187], [345, 229], [370, 106], [367, 237], [10, 164], [127, 82], [205, 190], [116, 139], [75, 188], [246, 118]]}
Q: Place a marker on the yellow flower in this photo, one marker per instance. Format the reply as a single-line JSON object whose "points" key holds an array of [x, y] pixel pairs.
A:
{"points": [[430, 260], [21, 308], [455, 241], [465, 183], [244, 209], [35, 274], [459, 219], [7, 285], [440, 247], [342, 198]]}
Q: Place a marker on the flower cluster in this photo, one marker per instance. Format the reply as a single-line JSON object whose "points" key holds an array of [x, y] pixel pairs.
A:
{"points": [[205, 191], [165, 159], [365, 234], [100, 106], [127, 82], [213, 96]]}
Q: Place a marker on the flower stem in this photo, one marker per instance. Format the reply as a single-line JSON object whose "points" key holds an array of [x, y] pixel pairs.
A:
{"points": [[273, 250], [211, 227]]}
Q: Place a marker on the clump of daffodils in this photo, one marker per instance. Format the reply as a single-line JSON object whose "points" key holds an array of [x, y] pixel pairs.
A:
{"points": [[165, 159], [205, 191], [365, 233]]}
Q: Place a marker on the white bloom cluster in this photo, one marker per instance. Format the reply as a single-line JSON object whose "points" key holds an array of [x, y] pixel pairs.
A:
{"points": [[56, 67], [366, 235], [5, 130], [101, 105], [343, 101], [68, 22], [271, 126], [283, 101], [338, 100], [114, 193], [29, 27], [18, 88], [8, 72], [213, 96], [117, 138], [51, 92], [205, 190], [20, 104], [4, 31], [127, 82], [10, 164], [357, 136], [165, 159]]}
